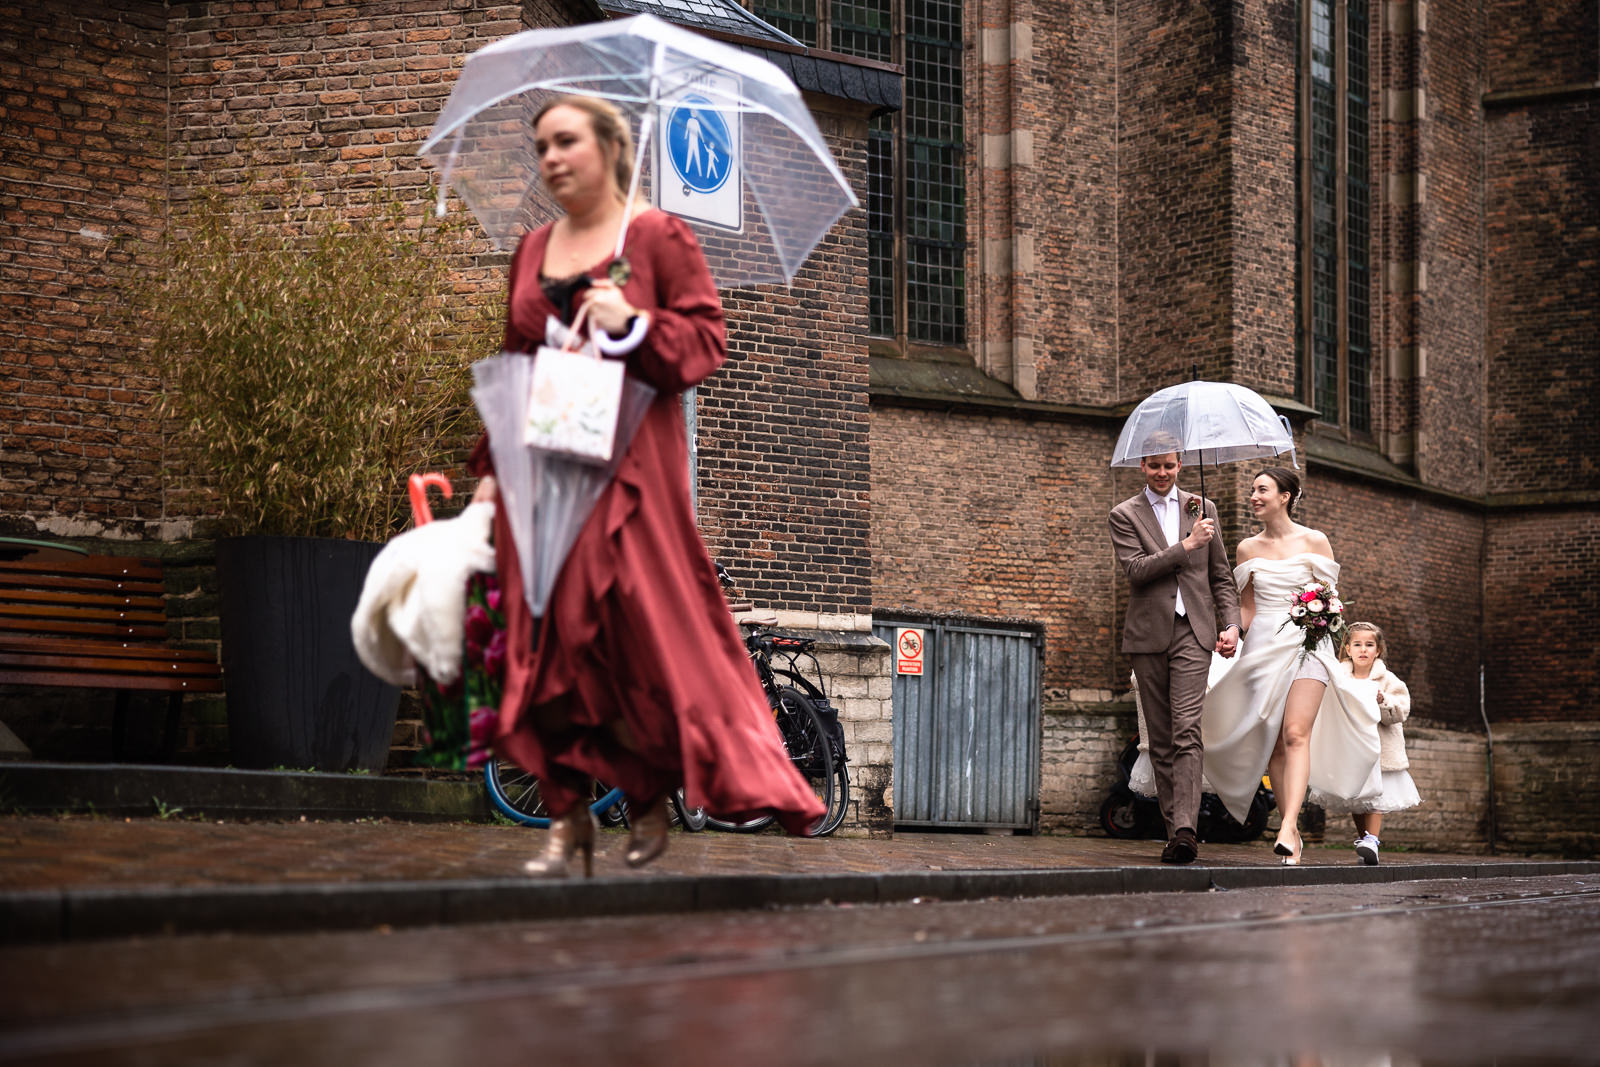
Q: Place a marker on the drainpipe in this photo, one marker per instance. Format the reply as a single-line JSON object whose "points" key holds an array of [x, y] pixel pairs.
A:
{"points": [[1488, 735]]}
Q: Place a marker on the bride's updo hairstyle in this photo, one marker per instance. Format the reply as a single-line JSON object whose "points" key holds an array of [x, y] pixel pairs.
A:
{"points": [[610, 129], [1288, 482]]}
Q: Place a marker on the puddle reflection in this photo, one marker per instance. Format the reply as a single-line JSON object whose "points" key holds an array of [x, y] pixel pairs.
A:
{"points": [[1151, 1058]]}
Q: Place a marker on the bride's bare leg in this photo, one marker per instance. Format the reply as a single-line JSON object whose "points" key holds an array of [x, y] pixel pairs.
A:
{"points": [[1290, 765]]}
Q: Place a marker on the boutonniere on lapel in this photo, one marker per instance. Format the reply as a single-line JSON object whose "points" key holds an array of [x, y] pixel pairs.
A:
{"points": [[1193, 507]]}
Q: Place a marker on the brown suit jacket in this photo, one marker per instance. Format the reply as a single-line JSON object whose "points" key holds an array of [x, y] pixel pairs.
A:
{"points": [[1156, 571]]}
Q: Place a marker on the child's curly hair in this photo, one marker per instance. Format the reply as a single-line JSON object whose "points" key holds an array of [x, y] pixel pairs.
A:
{"points": [[1365, 627]]}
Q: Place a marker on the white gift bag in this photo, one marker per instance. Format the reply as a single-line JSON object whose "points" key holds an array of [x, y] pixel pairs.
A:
{"points": [[574, 399]]}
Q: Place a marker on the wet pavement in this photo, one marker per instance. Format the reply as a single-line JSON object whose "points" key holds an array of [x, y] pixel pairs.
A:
{"points": [[1485, 970], [82, 878], [41, 852]]}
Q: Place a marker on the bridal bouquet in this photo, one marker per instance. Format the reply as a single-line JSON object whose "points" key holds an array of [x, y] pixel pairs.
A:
{"points": [[1319, 613]]}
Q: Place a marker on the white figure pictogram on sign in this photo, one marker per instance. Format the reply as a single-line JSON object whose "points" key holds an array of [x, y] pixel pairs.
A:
{"points": [[698, 153]]}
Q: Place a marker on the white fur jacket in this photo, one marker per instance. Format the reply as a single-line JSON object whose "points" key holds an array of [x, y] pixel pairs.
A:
{"points": [[413, 604], [1394, 704]]}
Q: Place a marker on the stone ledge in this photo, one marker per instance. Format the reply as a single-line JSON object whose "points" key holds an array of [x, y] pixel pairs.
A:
{"points": [[53, 916], [139, 789]]}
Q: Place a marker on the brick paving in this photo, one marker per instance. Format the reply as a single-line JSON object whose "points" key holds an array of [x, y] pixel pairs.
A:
{"points": [[86, 852]]}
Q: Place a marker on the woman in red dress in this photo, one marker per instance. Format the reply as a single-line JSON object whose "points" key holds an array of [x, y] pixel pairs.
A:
{"points": [[636, 674]]}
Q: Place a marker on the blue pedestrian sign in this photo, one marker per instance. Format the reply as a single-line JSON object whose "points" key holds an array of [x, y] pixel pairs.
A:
{"points": [[697, 157], [699, 145]]}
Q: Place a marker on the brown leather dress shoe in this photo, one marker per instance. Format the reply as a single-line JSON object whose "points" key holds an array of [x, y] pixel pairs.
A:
{"points": [[1183, 848]]}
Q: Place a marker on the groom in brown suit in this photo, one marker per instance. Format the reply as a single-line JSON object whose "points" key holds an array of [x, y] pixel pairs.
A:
{"points": [[1182, 607]]}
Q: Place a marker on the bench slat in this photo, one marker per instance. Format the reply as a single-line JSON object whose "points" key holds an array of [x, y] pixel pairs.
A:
{"points": [[8, 580], [88, 647], [97, 622], [141, 631], [148, 570], [182, 684], [51, 612], [106, 664], [123, 601]]}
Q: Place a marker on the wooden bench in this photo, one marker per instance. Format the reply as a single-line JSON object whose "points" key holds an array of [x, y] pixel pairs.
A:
{"points": [[97, 622]]}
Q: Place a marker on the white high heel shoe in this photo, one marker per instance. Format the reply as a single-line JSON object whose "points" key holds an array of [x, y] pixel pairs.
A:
{"points": [[1291, 856]]}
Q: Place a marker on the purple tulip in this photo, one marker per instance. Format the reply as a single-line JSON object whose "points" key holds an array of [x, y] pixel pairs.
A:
{"points": [[480, 628], [494, 656]]}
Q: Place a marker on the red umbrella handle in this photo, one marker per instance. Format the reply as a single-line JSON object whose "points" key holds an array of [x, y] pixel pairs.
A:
{"points": [[417, 488]]}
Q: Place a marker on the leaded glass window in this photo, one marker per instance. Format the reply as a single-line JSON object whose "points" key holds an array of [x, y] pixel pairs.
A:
{"points": [[797, 18], [1336, 213], [916, 159]]}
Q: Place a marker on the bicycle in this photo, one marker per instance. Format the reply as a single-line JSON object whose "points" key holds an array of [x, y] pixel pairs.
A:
{"points": [[807, 722], [515, 793]]}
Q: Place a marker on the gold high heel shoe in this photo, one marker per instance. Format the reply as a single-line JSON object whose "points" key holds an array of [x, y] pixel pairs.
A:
{"points": [[648, 838], [1291, 856], [572, 833]]}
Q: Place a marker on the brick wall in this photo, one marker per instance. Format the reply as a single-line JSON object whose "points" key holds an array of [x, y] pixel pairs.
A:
{"points": [[1450, 769], [1542, 224], [997, 517], [859, 685], [83, 92], [1079, 750], [1262, 224], [1540, 601], [1447, 274], [1553, 42], [1545, 796], [783, 460], [1410, 563], [1174, 192], [1050, 149]]}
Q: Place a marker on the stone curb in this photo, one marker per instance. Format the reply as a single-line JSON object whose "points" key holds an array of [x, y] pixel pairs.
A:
{"points": [[46, 916]]}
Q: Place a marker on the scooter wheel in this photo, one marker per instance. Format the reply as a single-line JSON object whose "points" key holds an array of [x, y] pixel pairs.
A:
{"points": [[1119, 815]]}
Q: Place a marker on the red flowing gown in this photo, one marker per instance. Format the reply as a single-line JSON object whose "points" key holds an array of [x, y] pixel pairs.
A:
{"points": [[637, 632]]}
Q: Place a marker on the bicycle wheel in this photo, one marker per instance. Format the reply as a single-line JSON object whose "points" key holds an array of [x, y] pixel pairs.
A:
{"points": [[806, 740], [837, 795], [691, 819], [515, 793], [840, 801], [836, 736]]}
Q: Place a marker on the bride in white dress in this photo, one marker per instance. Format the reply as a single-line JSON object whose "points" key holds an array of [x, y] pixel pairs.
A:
{"points": [[1277, 708]]}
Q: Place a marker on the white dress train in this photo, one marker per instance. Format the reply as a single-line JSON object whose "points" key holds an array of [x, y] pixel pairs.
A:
{"points": [[1244, 707]]}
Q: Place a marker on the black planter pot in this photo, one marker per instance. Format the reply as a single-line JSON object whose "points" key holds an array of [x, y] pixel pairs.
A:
{"points": [[297, 695]]}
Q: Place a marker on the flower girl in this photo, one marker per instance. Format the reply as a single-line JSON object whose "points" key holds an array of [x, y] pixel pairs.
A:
{"points": [[1363, 660]]}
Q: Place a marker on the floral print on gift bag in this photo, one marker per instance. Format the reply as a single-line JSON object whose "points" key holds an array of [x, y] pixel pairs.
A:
{"points": [[458, 720]]}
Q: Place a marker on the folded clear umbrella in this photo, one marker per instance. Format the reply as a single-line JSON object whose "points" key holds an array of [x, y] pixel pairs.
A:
{"points": [[1206, 424], [547, 497], [724, 139]]}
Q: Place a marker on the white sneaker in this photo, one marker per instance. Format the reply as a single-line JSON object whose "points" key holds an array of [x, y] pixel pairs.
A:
{"points": [[1367, 849]]}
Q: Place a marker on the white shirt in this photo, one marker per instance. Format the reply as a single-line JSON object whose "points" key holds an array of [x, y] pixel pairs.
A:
{"points": [[1166, 509]]}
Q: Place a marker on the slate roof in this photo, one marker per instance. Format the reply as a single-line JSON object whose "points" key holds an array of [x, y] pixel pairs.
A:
{"points": [[724, 16], [810, 71]]}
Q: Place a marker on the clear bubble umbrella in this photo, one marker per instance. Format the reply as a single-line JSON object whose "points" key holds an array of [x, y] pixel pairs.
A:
{"points": [[724, 140], [1206, 424]]}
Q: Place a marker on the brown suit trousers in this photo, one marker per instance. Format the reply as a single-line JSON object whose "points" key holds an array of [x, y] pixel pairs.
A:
{"points": [[1171, 653]]}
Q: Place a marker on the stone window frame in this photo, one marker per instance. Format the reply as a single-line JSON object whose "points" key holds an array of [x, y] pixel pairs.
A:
{"points": [[1336, 312], [917, 225]]}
